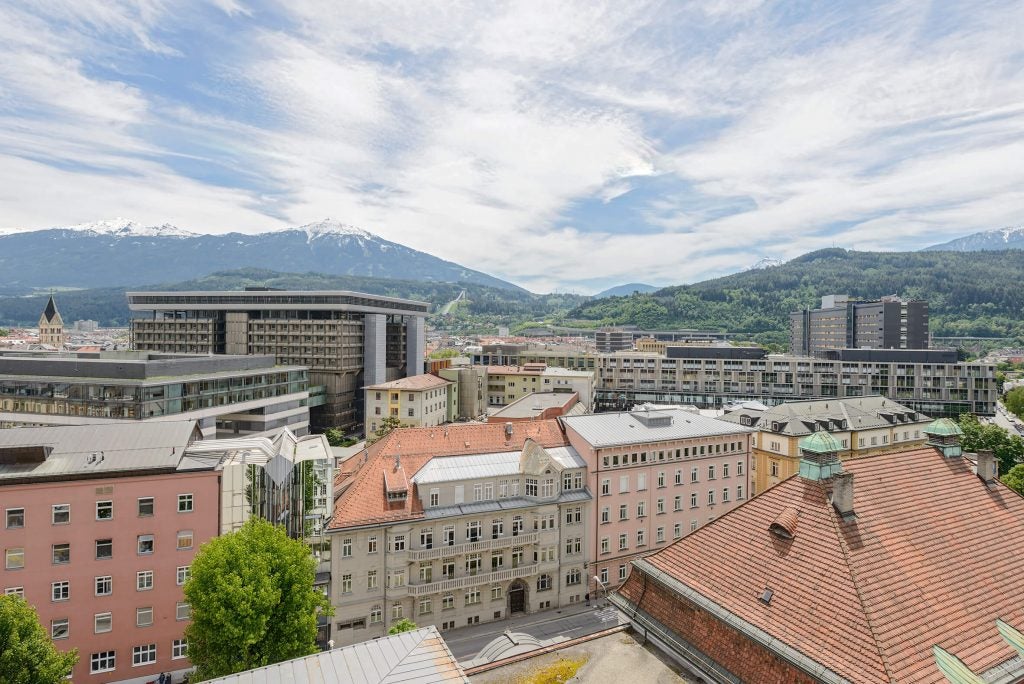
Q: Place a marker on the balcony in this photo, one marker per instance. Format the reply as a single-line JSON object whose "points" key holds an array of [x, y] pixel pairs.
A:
{"points": [[473, 580], [473, 547]]}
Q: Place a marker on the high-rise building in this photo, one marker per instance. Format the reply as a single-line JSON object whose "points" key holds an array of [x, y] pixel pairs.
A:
{"points": [[348, 340], [842, 323]]}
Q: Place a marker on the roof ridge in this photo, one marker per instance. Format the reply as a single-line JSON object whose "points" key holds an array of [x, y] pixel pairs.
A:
{"points": [[856, 588]]}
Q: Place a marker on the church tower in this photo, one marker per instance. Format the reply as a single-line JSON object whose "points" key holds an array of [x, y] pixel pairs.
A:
{"points": [[51, 326]]}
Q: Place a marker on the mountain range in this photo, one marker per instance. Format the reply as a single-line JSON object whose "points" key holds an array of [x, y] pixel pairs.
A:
{"points": [[121, 252], [985, 241], [624, 290]]}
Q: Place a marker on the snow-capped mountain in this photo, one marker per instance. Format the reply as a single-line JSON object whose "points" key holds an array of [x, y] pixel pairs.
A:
{"points": [[122, 252], [988, 240], [764, 262]]}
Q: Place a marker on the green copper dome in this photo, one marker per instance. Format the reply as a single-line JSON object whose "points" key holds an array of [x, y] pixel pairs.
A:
{"points": [[820, 442], [943, 427]]}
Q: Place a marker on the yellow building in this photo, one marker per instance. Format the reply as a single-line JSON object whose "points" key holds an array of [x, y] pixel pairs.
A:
{"points": [[506, 384], [862, 426], [417, 401]]}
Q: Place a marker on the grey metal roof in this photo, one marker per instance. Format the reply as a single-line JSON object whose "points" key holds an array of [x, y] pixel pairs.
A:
{"points": [[799, 418], [507, 504], [417, 657], [119, 448], [628, 427], [531, 405], [484, 466]]}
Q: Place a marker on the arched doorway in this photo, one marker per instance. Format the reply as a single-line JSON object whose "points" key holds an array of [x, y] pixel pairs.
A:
{"points": [[518, 597]]}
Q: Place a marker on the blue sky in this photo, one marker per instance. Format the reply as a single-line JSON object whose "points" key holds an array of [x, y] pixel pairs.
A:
{"points": [[559, 145]]}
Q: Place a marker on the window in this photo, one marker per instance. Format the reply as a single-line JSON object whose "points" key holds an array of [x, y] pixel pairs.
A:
{"points": [[346, 583], [426, 606], [14, 558], [711, 472], [661, 479], [104, 661], [623, 542], [497, 528], [693, 500], [472, 597], [371, 544], [659, 535], [496, 593], [15, 518], [426, 572], [725, 470], [184, 503], [104, 585], [448, 602], [376, 615], [61, 554], [678, 478], [143, 655], [604, 514], [574, 576], [104, 510], [739, 492], [677, 531], [775, 468], [60, 591], [641, 509], [531, 486], [396, 610], [606, 487], [411, 412], [184, 540], [547, 488], [677, 503], [473, 563], [604, 575], [427, 538], [145, 544], [725, 495], [623, 511], [693, 525], [397, 578], [184, 572], [145, 506], [623, 571], [346, 548], [711, 497], [371, 579], [143, 617], [573, 546], [605, 545], [473, 531], [739, 467], [179, 649], [448, 535], [182, 611], [144, 580], [398, 543], [641, 482], [641, 537], [544, 583], [60, 514], [102, 622], [623, 484]]}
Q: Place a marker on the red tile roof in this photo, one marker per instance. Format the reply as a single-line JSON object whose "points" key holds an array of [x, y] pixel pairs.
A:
{"points": [[933, 556], [364, 501]]}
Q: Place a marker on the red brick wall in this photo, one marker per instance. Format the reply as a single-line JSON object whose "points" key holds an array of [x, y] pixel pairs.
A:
{"points": [[742, 657]]}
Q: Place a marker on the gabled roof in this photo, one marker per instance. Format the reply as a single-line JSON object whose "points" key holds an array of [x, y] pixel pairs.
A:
{"points": [[931, 558], [798, 418], [637, 427], [417, 657], [50, 311], [413, 383], [364, 502]]}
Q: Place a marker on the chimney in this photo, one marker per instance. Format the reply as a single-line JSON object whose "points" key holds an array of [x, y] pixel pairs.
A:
{"points": [[508, 431], [842, 494], [988, 466]]}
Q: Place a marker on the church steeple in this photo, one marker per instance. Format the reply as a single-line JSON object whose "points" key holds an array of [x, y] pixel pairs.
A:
{"points": [[51, 325]]}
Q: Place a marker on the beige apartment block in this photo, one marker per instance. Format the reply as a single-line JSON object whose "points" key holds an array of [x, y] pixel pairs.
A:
{"points": [[456, 526], [506, 384], [417, 401]]}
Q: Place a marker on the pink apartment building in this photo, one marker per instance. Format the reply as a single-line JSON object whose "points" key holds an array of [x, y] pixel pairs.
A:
{"points": [[656, 476], [101, 523]]}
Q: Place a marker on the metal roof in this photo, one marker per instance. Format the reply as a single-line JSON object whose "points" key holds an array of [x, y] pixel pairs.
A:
{"points": [[106, 449], [483, 466], [629, 427], [417, 657], [507, 504]]}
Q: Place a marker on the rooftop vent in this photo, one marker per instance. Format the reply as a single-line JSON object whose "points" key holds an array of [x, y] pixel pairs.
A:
{"points": [[652, 419], [18, 455], [766, 596], [842, 494], [784, 526], [508, 430]]}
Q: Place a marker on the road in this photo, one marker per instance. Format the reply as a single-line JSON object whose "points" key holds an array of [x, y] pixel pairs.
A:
{"points": [[1007, 420], [465, 643]]}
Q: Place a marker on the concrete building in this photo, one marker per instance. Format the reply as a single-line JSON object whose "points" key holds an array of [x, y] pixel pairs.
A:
{"points": [[101, 525], [553, 355], [927, 381], [459, 525], [348, 340], [842, 323], [612, 340], [892, 568], [863, 426], [227, 395], [51, 326], [506, 384], [417, 401], [657, 476], [470, 399]]}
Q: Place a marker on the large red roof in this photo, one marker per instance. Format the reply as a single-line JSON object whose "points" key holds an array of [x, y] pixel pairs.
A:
{"points": [[932, 557]]}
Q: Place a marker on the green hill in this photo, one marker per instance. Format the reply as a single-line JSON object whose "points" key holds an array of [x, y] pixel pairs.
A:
{"points": [[969, 293]]}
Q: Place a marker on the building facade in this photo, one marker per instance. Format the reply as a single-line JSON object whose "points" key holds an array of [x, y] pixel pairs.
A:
{"points": [[227, 395], [51, 326], [862, 426], [470, 398], [656, 476], [927, 381], [459, 526], [101, 525], [554, 355], [840, 323], [347, 339], [418, 401], [506, 384]]}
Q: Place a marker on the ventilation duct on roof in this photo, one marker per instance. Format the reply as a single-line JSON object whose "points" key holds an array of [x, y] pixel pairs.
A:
{"points": [[652, 419], [784, 526]]}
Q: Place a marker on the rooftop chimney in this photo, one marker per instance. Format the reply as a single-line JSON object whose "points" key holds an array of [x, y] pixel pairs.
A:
{"points": [[988, 466], [508, 431], [842, 494]]}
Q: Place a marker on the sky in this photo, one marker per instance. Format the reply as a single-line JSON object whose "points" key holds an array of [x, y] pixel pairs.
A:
{"points": [[562, 146]]}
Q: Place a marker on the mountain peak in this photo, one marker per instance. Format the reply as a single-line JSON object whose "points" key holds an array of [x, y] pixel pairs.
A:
{"points": [[328, 227], [765, 262], [1009, 237], [121, 227]]}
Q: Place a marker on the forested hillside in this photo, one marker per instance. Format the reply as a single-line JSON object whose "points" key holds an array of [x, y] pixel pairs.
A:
{"points": [[970, 293]]}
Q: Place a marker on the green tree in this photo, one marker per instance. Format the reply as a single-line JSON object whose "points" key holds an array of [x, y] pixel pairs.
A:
{"points": [[27, 656], [386, 426], [1008, 449], [403, 625], [335, 436], [1015, 479], [1014, 401], [253, 601]]}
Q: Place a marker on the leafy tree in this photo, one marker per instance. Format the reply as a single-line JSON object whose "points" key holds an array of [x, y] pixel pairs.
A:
{"points": [[335, 436], [403, 625], [27, 656], [446, 353], [1014, 401], [1008, 449], [386, 426], [253, 601], [1015, 479]]}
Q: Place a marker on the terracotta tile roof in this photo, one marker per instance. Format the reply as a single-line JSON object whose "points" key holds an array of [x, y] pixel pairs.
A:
{"points": [[415, 383], [933, 556], [364, 501]]}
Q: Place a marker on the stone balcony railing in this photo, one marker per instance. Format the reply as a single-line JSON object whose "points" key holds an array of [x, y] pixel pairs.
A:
{"points": [[473, 580], [473, 547]]}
